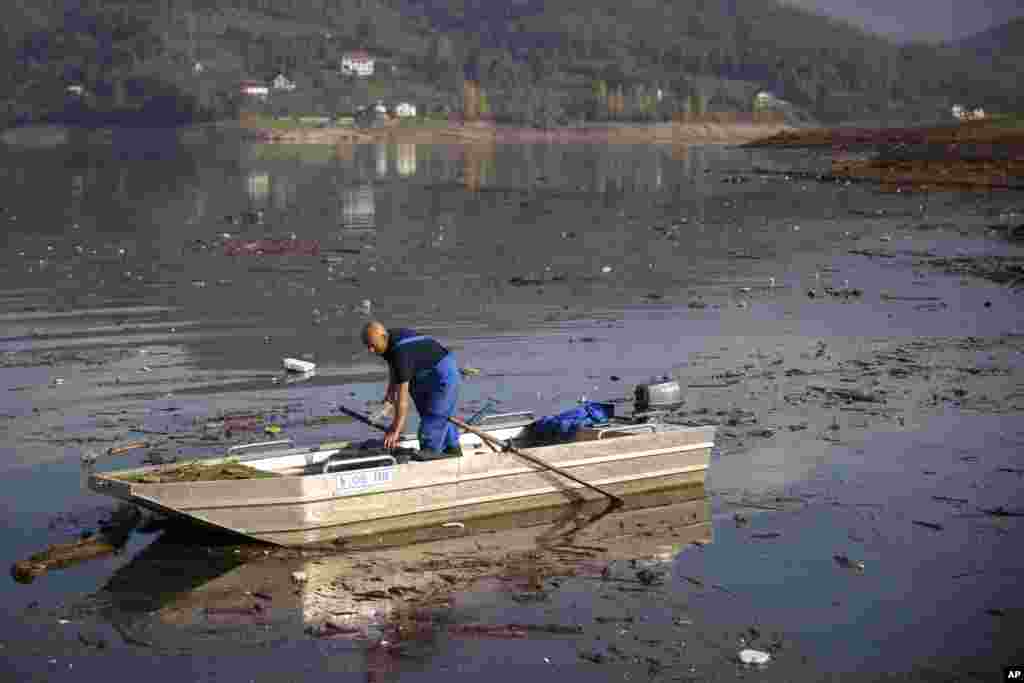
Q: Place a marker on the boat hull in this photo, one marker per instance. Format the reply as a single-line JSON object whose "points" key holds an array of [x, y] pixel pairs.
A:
{"points": [[319, 508]]}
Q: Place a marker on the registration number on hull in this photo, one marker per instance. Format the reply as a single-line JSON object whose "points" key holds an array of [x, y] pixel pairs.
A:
{"points": [[351, 482]]}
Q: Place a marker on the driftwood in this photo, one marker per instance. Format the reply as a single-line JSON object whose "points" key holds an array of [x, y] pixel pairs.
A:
{"points": [[61, 555], [848, 394]]}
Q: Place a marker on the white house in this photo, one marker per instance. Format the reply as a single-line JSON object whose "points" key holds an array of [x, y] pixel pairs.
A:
{"points": [[198, 68], [405, 109], [254, 89], [763, 99], [379, 108], [281, 82], [76, 90], [964, 114], [358, 62]]}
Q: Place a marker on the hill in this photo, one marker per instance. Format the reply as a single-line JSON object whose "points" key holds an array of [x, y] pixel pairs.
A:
{"points": [[536, 61]]}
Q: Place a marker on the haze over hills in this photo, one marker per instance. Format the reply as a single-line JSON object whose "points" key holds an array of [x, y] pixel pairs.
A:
{"points": [[1005, 40], [538, 61], [937, 21]]}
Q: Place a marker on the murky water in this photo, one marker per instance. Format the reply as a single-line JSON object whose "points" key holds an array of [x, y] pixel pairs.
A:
{"points": [[552, 268]]}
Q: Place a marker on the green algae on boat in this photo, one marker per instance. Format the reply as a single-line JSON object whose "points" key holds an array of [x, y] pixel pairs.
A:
{"points": [[196, 471]]}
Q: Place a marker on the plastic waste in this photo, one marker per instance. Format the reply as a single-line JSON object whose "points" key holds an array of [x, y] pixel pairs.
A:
{"points": [[296, 365], [754, 657]]}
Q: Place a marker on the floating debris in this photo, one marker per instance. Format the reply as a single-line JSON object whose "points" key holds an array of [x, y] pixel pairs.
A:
{"points": [[118, 450], [754, 657], [259, 247], [846, 563], [1001, 511], [296, 365]]}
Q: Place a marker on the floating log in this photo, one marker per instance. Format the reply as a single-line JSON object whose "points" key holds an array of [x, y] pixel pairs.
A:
{"points": [[61, 555]]}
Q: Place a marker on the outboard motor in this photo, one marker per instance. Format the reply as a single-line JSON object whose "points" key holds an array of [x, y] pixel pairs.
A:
{"points": [[657, 396]]}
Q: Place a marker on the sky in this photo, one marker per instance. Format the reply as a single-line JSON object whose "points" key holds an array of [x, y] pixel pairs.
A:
{"points": [[932, 20]]}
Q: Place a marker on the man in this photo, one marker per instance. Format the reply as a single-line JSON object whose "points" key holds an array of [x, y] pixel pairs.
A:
{"points": [[424, 370]]}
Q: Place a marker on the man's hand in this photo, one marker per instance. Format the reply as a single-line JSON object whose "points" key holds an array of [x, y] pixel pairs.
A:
{"points": [[391, 438]]}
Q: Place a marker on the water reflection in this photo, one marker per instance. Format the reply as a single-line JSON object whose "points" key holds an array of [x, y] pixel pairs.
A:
{"points": [[382, 160], [257, 184], [478, 166], [406, 159], [495, 203], [358, 208], [198, 583]]}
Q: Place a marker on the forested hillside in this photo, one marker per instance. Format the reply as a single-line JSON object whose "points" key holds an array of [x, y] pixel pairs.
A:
{"points": [[542, 62]]}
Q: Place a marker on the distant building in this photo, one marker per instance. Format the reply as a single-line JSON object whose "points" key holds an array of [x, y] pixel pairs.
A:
{"points": [[198, 68], [380, 109], [405, 110], [962, 113], [254, 89], [764, 99], [358, 62], [281, 82], [76, 90]]}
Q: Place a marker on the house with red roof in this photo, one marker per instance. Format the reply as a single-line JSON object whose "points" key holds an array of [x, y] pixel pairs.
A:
{"points": [[357, 62]]}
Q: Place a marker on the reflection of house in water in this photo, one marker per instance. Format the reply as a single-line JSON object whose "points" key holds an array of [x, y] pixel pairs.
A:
{"points": [[257, 185], [358, 207], [265, 191], [283, 190], [406, 159], [619, 174]]}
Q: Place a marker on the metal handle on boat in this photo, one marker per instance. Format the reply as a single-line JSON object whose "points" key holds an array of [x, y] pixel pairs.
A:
{"points": [[383, 459], [498, 416], [631, 428], [242, 447]]}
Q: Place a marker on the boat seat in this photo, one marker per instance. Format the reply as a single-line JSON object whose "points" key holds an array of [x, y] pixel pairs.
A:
{"points": [[349, 464]]}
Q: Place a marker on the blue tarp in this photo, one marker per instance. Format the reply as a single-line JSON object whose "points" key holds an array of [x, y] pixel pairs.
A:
{"points": [[563, 427]]}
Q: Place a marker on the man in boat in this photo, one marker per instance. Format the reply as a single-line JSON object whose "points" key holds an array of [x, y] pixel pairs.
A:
{"points": [[424, 370]]}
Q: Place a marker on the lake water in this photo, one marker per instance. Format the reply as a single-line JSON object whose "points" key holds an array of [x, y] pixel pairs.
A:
{"points": [[124, 316]]}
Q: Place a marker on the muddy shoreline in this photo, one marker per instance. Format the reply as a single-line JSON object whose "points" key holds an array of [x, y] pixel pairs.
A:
{"points": [[980, 155], [677, 133]]}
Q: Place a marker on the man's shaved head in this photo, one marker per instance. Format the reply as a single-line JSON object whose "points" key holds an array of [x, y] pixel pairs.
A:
{"points": [[375, 336]]}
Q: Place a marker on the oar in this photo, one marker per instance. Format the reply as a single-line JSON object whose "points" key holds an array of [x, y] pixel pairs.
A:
{"points": [[362, 418], [616, 501]]}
